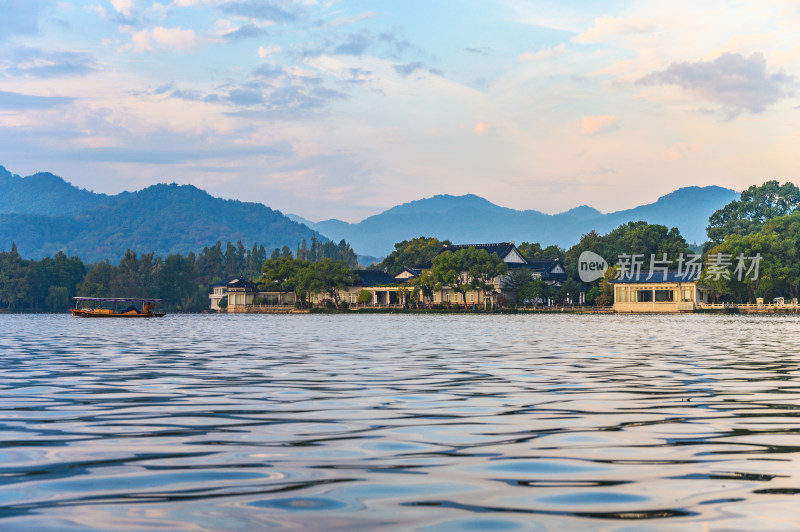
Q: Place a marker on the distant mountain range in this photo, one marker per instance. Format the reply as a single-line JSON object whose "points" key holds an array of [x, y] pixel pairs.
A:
{"points": [[44, 214], [470, 218]]}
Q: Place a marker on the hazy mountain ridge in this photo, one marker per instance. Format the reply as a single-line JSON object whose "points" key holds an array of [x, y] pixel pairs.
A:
{"points": [[179, 219], [583, 212], [160, 218], [473, 219]]}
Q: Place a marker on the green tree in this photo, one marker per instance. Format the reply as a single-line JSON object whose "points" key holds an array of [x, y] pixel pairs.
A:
{"points": [[176, 281], [58, 271], [777, 244], [14, 279], [467, 268], [335, 276], [406, 294], [412, 252], [281, 275], [756, 205], [534, 251], [485, 270], [426, 284], [364, 296], [211, 263], [346, 254], [515, 279], [131, 276], [633, 238], [533, 291], [97, 282], [57, 298], [232, 265], [305, 278], [568, 291], [605, 295], [592, 294], [531, 250], [450, 270], [302, 251]]}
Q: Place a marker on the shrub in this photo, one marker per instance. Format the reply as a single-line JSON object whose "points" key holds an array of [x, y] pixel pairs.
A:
{"points": [[364, 296]]}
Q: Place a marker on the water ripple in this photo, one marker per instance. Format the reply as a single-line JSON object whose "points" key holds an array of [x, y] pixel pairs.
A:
{"points": [[393, 421]]}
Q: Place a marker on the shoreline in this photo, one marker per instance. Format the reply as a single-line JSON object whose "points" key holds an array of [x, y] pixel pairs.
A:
{"points": [[746, 309]]}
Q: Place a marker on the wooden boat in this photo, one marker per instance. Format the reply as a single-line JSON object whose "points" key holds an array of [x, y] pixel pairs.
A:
{"points": [[92, 307]]}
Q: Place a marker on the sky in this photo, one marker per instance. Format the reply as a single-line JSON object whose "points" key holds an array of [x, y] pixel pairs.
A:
{"points": [[342, 109]]}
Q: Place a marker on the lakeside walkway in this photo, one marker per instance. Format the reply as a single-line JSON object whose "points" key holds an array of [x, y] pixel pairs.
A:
{"points": [[290, 309], [746, 308]]}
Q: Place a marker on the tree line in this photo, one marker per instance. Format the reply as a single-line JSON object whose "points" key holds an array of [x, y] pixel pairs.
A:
{"points": [[48, 284], [761, 228], [306, 277], [319, 251], [633, 237], [461, 270], [764, 222], [182, 281]]}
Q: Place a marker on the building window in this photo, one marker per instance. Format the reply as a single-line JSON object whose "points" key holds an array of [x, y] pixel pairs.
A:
{"points": [[687, 294], [665, 296], [644, 296], [621, 295]]}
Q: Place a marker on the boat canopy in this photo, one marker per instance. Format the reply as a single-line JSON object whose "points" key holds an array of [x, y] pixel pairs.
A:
{"points": [[116, 299]]}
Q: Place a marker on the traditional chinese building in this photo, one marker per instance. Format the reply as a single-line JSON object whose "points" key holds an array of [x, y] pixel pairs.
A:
{"points": [[384, 289], [658, 291], [240, 293], [551, 272], [387, 290]]}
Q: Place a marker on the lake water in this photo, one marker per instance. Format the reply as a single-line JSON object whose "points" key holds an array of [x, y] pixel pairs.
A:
{"points": [[441, 422]]}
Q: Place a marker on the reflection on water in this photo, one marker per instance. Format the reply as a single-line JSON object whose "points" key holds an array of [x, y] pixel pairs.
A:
{"points": [[414, 422]]}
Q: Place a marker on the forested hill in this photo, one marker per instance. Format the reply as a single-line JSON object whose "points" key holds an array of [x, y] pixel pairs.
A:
{"points": [[162, 218], [43, 193]]}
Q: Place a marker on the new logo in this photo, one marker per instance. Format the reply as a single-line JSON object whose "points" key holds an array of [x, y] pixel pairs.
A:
{"points": [[591, 266]]}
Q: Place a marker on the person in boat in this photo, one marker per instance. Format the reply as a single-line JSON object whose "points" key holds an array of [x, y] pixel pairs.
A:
{"points": [[148, 308], [132, 308]]}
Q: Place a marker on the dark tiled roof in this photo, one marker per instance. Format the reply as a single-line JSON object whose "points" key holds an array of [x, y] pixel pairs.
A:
{"points": [[544, 267], [374, 278], [502, 248], [227, 280], [235, 281], [672, 276], [238, 282], [544, 264]]}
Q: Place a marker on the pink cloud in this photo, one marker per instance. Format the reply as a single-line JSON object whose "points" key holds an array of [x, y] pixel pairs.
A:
{"points": [[592, 126]]}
